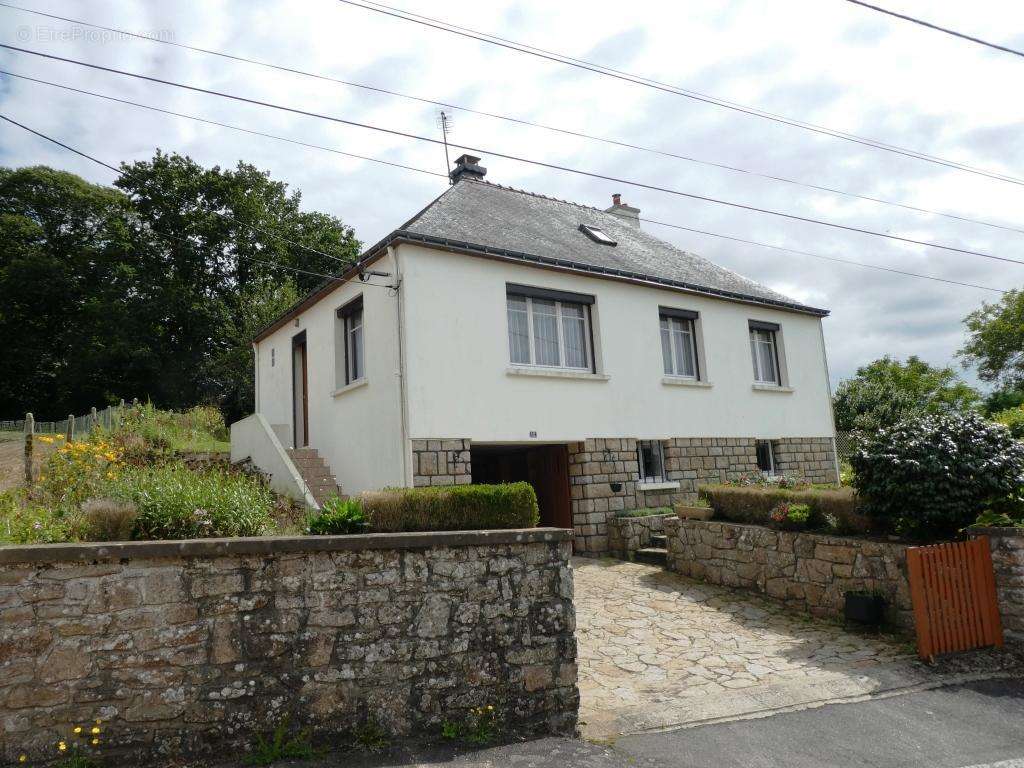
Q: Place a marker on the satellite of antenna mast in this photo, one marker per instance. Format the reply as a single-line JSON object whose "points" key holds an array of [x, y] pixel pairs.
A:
{"points": [[446, 124]]}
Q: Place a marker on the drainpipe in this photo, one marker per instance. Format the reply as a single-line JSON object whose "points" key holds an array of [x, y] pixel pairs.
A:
{"points": [[831, 406], [256, 378], [403, 395]]}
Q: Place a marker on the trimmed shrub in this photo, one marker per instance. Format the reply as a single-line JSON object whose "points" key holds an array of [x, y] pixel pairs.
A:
{"points": [[452, 508], [175, 502], [834, 508], [929, 476], [791, 517], [645, 512], [338, 517]]}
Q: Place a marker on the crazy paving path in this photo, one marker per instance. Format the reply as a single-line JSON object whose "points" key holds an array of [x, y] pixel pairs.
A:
{"points": [[658, 651]]}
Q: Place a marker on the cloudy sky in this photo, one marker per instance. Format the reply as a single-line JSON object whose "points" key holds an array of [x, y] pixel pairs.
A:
{"points": [[826, 62]]}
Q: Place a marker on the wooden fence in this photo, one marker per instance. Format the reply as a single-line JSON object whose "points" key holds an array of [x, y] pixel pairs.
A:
{"points": [[70, 428], [953, 590]]}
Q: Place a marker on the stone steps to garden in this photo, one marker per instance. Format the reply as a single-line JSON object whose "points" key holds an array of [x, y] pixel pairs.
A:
{"points": [[652, 555], [315, 473], [659, 540]]}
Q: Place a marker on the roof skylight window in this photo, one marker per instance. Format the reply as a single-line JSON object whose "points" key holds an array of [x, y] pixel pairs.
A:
{"points": [[597, 235]]}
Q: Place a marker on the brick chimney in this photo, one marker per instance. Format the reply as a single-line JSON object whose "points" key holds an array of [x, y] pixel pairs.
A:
{"points": [[467, 167], [624, 211]]}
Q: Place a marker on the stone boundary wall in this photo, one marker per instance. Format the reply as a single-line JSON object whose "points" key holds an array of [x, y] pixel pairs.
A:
{"points": [[808, 571], [596, 463], [441, 462], [187, 648], [628, 534], [1008, 563]]}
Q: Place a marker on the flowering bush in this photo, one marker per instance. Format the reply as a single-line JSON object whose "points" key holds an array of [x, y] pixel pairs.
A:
{"points": [[77, 469], [791, 517], [929, 476]]}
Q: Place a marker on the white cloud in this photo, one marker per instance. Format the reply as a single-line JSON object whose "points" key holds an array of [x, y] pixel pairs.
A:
{"points": [[828, 63]]}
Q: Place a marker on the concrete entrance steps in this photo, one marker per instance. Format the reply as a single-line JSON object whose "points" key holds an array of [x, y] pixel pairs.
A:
{"points": [[656, 554], [315, 473]]}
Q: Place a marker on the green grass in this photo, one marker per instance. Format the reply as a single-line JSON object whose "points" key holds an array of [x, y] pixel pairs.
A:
{"points": [[197, 430]]}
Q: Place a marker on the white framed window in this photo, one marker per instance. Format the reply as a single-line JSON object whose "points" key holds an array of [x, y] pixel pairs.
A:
{"points": [[764, 352], [549, 329], [351, 346], [679, 343], [651, 459], [765, 457]]}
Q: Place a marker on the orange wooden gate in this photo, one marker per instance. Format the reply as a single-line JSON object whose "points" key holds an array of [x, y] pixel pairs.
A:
{"points": [[953, 590]]}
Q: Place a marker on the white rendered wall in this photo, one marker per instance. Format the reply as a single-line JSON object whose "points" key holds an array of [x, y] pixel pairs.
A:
{"points": [[457, 356], [358, 430]]}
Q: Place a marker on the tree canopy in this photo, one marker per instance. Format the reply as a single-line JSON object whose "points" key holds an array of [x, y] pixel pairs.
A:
{"points": [[152, 289], [995, 341], [887, 391]]}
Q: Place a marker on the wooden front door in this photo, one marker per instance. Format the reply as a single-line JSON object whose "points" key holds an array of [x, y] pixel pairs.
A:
{"points": [[300, 394], [549, 475]]}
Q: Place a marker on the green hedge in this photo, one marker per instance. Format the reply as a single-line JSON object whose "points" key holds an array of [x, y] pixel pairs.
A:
{"points": [[452, 508], [742, 504]]}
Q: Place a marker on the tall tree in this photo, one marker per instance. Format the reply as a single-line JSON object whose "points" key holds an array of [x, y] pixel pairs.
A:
{"points": [[146, 290], [887, 391], [995, 341]]}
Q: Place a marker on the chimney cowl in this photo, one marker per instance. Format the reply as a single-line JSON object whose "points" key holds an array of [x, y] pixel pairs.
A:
{"points": [[467, 167], [624, 211]]}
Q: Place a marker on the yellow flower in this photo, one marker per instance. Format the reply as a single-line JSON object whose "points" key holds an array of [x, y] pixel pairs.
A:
{"points": [[78, 729], [62, 746], [95, 742], [95, 729], [22, 758], [98, 721]]}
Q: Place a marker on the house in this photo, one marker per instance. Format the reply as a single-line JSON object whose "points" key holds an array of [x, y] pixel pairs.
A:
{"points": [[500, 335]]}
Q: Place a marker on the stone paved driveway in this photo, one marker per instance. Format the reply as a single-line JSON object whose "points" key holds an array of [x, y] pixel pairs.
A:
{"points": [[657, 651]]}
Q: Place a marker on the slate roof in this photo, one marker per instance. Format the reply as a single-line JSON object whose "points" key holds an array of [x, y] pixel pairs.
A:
{"points": [[478, 217], [504, 219]]}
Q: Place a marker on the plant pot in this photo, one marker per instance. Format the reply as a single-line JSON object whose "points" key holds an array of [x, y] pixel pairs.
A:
{"points": [[686, 512], [864, 608]]}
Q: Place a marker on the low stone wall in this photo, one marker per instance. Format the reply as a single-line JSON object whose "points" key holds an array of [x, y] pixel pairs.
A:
{"points": [[184, 647], [628, 534], [808, 571], [1008, 562]]}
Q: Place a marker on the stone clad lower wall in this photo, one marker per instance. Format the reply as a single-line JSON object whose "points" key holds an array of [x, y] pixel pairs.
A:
{"points": [[181, 648], [1008, 562], [806, 570], [441, 462], [604, 474]]}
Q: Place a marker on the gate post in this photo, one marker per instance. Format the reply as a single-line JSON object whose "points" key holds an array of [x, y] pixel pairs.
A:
{"points": [[71, 427]]}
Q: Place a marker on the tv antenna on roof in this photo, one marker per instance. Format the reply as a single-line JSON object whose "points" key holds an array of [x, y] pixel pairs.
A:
{"points": [[446, 124]]}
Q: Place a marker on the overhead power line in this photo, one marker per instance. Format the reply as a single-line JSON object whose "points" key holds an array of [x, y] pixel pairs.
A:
{"points": [[514, 120], [937, 28], [120, 171], [850, 262], [599, 69], [220, 124], [521, 159]]}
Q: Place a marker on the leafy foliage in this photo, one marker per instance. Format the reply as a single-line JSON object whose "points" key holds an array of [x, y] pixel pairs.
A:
{"points": [[157, 293], [280, 745], [835, 508], [791, 517], [455, 508], [995, 342], [929, 476], [1013, 420], [888, 391], [175, 502], [338, 517]]}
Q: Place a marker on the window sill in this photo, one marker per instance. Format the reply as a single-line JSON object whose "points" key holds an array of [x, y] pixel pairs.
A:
{"points": [[349, 387], [660, 486], [771, 388], [678, 381], [556, 373]]}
